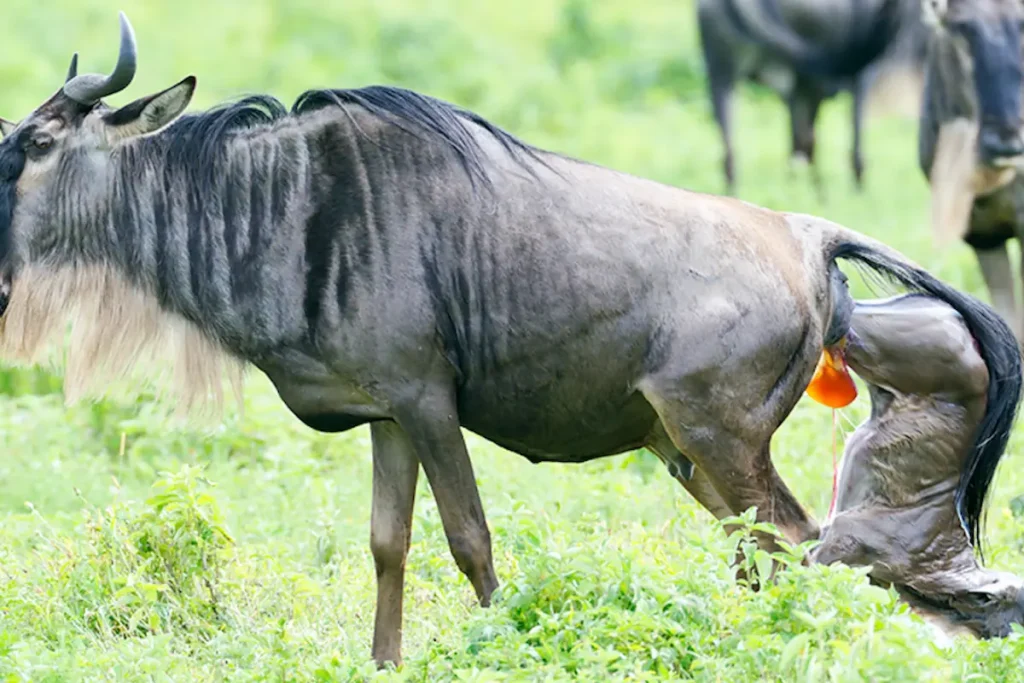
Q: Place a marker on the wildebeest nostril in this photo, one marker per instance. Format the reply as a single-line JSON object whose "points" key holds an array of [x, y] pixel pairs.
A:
{"points": [[1000, 144]]}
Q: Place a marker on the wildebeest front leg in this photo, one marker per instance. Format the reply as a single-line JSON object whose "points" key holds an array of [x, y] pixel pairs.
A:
{"points": [[395, 470], [997, 271], [433, 427], [721, 73]]}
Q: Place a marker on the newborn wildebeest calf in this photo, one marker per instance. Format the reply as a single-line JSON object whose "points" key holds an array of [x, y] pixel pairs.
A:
{"points": [[896, 506]]}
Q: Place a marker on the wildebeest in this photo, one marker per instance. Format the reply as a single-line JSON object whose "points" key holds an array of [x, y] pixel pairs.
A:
{"points": [[386, 258], [902, 473], [807, 52], [970, 144]]}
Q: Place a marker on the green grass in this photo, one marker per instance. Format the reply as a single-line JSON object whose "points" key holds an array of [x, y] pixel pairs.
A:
{"points": [[134, 548]]}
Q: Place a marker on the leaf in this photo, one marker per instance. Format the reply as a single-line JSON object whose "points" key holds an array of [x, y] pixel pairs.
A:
{"points": [[806, 618], [876, 595], [763, 561], [793, 648], [1017, 506]]}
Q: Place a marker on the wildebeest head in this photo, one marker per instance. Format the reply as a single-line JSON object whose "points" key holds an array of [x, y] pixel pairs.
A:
{"points": [[63, 147], [978, 46]]}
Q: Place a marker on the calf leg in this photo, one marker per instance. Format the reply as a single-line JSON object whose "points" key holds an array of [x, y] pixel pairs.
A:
{"points": [[395, 470], [433, 427]]}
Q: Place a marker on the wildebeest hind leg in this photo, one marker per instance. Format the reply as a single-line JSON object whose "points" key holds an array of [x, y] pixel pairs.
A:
{"points": [[994, 261], [696, 484], [395, 470], [859, 95], [433, 428], [721, 70], [739, 467], [803, 115]]}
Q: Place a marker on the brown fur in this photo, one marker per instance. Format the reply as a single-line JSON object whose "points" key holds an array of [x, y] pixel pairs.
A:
{"points": [[114, 327]]}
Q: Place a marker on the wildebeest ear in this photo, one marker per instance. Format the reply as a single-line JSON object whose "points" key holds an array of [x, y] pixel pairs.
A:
{"points": [[151, 113], [6, 127]]}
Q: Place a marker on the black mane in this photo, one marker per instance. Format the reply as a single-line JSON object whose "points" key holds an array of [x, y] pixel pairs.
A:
{"points": [[12, 163], [195, 139]]}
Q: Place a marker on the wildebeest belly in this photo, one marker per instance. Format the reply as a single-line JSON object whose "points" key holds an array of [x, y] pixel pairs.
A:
{"points": [[573, 414]]}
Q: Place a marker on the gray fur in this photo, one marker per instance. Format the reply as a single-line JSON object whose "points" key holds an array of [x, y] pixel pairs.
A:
{"points": [[390, 259]]}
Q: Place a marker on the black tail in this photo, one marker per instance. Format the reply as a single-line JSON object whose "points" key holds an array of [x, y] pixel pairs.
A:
{"points": [[998, 348], [869, 35]]}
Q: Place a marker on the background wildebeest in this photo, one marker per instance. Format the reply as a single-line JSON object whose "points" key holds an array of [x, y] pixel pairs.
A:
{"points": [[902, 476], [970, 142], [388, 258], [807, 52]]}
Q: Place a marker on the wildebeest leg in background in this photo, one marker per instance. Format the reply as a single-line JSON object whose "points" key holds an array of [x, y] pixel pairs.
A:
{"points": [[858, 93], [994, 261], [432, 424], [395, 470], [804, 103], [721, 72]]}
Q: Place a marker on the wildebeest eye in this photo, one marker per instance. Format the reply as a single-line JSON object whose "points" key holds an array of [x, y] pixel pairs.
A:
{"points": [[42, 142]]}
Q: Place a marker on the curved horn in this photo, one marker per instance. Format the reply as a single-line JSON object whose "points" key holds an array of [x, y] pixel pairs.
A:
{"points": [[88, 89], [73, 69]]}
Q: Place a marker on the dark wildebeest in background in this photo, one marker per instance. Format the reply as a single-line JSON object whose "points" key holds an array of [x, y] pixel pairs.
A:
{"points": [[391, 259], [807, 52], [894, 82], [970, 143]]}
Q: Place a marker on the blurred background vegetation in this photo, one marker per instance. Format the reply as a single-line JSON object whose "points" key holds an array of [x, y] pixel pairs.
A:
{"points": [[609, 570]]}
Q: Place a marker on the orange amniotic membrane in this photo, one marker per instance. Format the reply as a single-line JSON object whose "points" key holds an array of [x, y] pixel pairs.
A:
{"points": [[832, 385]]}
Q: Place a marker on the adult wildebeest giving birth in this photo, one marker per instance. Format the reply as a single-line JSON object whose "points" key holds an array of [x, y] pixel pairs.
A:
{"points": [[388, 258], [807, 52], [970, 136], [900, 480]]}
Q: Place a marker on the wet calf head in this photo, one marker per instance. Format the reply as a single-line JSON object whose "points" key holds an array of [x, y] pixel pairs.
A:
{"points": [[896, 499]]}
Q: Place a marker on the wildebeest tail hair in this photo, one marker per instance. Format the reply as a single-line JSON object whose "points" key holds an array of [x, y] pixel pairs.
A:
{"points": [[998, 348]]}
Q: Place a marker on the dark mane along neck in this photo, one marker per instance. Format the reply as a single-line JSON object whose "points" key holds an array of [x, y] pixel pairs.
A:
{"points": [[222, 213]]}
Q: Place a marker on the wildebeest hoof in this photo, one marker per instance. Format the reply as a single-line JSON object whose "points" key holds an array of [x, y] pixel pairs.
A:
{"points": [[798, 160]]}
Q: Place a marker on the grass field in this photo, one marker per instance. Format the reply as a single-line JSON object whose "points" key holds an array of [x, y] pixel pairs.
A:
{"points": [[133, 548]]}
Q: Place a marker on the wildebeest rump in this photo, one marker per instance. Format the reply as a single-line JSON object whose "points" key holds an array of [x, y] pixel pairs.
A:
{"points": [[807, 52], [970, 141], [388, 258], [896, 504]]}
